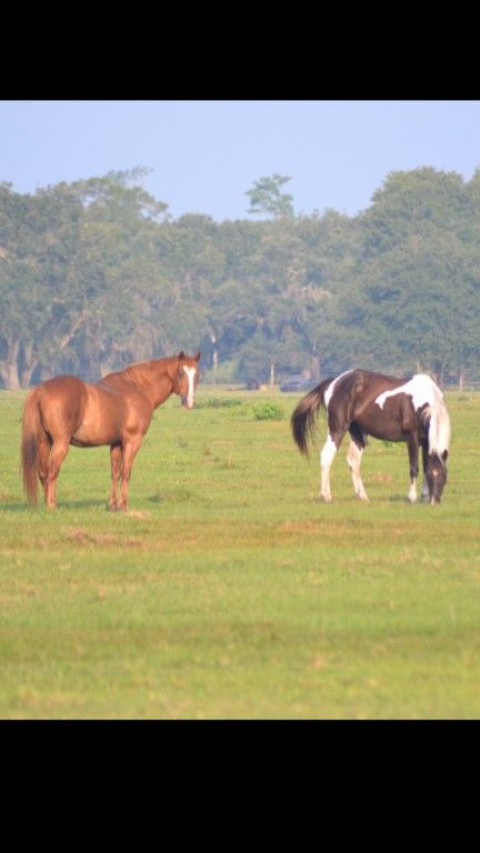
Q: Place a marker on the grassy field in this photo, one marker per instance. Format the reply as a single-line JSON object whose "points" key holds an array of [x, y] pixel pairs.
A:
{"points": [[229, 591]]}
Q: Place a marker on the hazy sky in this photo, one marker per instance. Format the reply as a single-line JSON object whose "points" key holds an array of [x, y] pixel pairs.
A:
{"points": [[205, 154]]}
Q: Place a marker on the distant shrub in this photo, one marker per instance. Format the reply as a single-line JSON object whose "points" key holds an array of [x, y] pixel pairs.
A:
{"points": [[219, 403], [268, 411]]}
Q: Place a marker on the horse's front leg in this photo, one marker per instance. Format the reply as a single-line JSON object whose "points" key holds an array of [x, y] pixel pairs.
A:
{"points": [[116, 469], [130, 449], [413, 458], [43, 457], [425, 489]]}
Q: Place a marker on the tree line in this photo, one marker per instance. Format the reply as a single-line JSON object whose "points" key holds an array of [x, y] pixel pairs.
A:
{"points": [[96, 274]]}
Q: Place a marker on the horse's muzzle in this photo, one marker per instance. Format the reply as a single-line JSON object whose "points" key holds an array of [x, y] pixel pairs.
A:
{"points": [[187, 403]]}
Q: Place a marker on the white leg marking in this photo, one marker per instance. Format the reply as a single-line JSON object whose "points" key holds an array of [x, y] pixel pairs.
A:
{"points": [[327, 455], [412, 494], [354, 458]]}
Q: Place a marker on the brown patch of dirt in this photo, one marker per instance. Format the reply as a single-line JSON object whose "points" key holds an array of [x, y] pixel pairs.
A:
{"points": [[381, 478], [78, 534]]}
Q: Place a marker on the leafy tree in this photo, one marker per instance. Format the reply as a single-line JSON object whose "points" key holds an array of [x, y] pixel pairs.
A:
{"points": [[96, 274], [267, 198], [415, 202]]}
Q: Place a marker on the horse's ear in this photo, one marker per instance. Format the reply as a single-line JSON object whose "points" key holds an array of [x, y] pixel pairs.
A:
{"points": [[181, 355], [197, 356]]}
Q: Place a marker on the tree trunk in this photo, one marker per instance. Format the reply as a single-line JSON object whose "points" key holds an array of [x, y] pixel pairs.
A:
{"points": [[315, 368], [29, 364], [9, 366], [214, 357]]}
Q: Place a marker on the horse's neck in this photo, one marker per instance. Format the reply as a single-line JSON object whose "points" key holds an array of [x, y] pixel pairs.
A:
{"points": [[155, 378]]}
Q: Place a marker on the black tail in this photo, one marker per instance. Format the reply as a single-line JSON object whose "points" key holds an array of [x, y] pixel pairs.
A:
{"points": [[304, 417]]}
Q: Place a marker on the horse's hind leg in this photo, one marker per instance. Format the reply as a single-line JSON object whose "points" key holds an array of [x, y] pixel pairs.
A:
{"points": [[327, 456], [57, 455], [116, 468], [44, 447], [354, 458]]}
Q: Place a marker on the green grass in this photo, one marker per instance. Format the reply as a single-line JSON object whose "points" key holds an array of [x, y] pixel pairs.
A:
{"points": [[229, 591]]}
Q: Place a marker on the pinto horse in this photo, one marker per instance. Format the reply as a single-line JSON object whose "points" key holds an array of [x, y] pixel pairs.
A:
{"points": [[116, 411], [365, 403]]}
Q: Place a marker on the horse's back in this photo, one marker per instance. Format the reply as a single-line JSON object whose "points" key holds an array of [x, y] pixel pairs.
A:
{"points": [[64, 386], [371, 384], [356, 390]]}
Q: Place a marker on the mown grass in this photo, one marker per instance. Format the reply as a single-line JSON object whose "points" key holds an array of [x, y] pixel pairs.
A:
{"points": [[229, 591]]}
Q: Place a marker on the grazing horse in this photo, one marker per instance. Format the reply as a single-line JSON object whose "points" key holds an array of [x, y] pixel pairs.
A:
{"points": [[365, 403], [117, 411]]}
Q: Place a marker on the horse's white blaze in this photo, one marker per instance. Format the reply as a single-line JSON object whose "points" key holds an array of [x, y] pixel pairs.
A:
{"points": [[191, 372], [423, 391], [328, 393]]}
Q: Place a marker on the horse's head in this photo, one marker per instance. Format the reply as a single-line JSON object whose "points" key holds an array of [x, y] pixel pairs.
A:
{"points": [[186, 379], [436, 476]]}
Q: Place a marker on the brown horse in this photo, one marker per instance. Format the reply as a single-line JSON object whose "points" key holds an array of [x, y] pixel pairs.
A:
{"points": [[115, 411]]}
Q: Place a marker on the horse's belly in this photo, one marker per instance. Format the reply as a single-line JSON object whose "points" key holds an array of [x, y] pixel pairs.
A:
{"points": [[111, 414], [100, 423], [93, 434]]}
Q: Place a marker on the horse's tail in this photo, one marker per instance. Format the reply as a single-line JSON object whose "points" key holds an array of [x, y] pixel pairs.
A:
{"points": [[439, 430], [31, 426], [304, 417]]}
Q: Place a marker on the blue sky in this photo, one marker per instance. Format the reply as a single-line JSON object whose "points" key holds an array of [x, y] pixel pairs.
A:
{"points": [[205, 154]]}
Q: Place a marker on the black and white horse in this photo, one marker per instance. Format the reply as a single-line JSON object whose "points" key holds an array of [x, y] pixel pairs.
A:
{"points": [[364, 404]]}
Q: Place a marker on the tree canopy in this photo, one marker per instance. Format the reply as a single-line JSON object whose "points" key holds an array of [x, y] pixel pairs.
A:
{"points": [[96, 274]]}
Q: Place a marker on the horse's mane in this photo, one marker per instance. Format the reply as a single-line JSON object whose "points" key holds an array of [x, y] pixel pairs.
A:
{"points": [[433, 413], [139, 369], [439, 428]]}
